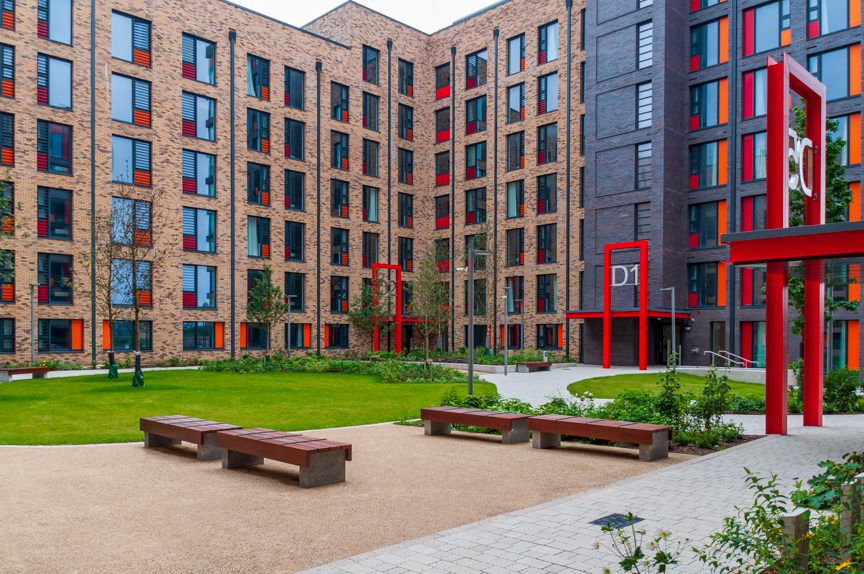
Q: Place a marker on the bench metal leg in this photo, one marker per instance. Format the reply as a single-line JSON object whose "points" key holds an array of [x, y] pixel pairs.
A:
{"points": [[324, 468], [231, 459], [545, 439], [518, 433], [151, 440], [40, 375], [659, 448], [208, 449], [432, 428]]}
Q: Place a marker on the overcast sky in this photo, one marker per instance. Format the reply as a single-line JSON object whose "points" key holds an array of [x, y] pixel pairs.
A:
{"points": [[427, 16]]}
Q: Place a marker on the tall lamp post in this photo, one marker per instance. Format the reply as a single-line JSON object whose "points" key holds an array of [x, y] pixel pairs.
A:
{"points": [[521, 303], [507, 290], [674, 346], [33, 287], [473, 252], [288, 338]]}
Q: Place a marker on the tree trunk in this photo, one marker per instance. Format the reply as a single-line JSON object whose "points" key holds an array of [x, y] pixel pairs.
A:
{"points": [[138, 377]]}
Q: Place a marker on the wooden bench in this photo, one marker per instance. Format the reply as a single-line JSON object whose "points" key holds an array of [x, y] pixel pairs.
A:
{"points": [[532, 367], [36, 372], [653, 440], [439, 421], [321, 461], [174, 429]]}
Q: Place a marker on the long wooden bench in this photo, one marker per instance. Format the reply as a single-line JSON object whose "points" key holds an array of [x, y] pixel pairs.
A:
{"points": [[531, 367], [440, 420], [36, 372], [173, 429], [653, 440], [321, 461]]}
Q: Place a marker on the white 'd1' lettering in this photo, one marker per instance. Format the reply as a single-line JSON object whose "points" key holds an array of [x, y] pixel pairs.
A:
{"points": [[797, 150]]}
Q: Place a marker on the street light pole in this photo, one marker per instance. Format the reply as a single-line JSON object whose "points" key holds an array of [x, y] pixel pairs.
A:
{"points": [[473, 252], [674, 346], [521, 304], [288, 338], [33, 287], [507, 290]]}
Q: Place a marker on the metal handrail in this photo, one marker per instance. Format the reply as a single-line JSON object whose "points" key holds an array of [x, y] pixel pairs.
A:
{"points": [[730, 358]]}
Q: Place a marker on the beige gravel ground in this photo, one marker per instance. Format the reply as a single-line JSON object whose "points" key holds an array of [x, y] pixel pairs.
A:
{"points": [[123, 508]]}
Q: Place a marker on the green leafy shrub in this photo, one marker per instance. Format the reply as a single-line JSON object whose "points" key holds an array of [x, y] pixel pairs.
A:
{"points": [[746, 405], [823, 489], [714, 400], [841, 391]]}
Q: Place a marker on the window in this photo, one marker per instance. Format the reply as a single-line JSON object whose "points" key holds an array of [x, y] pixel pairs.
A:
{"points": [[442, 81], [406, 210], [644, 104], [709, 44], [370, 249], [515, 199], [7, 71], [645, 3], [475, 115], [442, 254], [515, 103], [475, 161], [371, 56], [549, 336], [199, 287], [849, 130], [644, 169], [515, 151], [336, 336], [406, 122], [696, 5], [442, 125], [479, 302], [547, 243], [442, 168], [253, 276], [295, 291], [54, 20], [339, 150], [199, 230], [7, 276], [753, 212], [295, 241], [258, 130], [516, 54], [61, 335], [547, 144], [370, 158], [295, 88], [370, 111], [130, 36], [199, 173], [514, 289], [752, 284], [258, 183], [709, 104], [54, 213], [130, 220], [515, 247], [442, 212], [704, 224], [406, 254], [258, 237], [755, 86], [199, 59], [7, 21], [339, 246], [55, 279], [339, 198], [258, 77], [835, 69], [298, 335], [370, 204], [128, 282], [7, 139], [339, 102], [253, 336], [547, 94], [295, 190], [702, 290], [295, 140], [754, 156], [547, 47], [54, 147], [547, 293], [199, 116], [475, 206], [767, 27], [130, 161], [645, 48], [547, 193], [338, 294], [475, 69], [406, 78], [203, 336], [828, 16], [643, 221], [406, 166], [708, 164], [54, 88], [130, 99]]}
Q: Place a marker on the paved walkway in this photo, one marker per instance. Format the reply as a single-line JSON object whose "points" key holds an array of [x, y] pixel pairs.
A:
{"points": [[689, 499]]}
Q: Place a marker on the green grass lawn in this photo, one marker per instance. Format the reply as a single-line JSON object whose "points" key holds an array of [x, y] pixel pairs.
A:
{"points": [[609, 387], [94, 409]]}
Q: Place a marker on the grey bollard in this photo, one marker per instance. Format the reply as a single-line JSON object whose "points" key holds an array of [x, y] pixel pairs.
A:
{"points": [[795, 529]]}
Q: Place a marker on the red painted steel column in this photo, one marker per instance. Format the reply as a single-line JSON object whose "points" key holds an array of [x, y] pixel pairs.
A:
{"points": [[643, 307], [398, 310], [776, 348], [607, 307], [376, 334]]}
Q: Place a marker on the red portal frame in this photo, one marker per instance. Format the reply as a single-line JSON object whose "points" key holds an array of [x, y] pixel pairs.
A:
{"points": [[397, 316], [608, 249]]}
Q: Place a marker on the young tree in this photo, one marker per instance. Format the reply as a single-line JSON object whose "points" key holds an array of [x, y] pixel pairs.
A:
{"points": [[368, 309], [430, 301], [267, 305]]}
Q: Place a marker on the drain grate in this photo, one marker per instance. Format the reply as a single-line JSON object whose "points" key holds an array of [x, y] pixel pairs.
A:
{"points": [[616, 520]]}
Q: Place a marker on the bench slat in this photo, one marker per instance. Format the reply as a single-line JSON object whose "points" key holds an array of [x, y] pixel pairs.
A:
{"points": [[188, 429], [616, 431], [291, 448], [480, 418]]}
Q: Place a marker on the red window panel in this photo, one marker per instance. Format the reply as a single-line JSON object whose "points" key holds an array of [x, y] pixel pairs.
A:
{"points": [[442, 136], [42, 228], [747, 340], [189, 128], [189, 300], [43, 294], [442, 179], [747, 286], [8, 225], [189, 243], [7, 292], [747, 168], [749, 31], [442, 93], [749, 94], [747, 205], [188, 70], [470, 172], [442, 222]]}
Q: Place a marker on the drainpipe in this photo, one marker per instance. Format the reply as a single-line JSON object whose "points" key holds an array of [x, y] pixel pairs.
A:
{"points": [[733, 161], [495, 33], [453, 198], [318, 205], [92, 193], [389, 170], [567, 171], [232, 40]]}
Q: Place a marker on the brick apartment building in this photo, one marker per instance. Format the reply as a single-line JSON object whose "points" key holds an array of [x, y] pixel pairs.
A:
{"points": [[316, 151]]}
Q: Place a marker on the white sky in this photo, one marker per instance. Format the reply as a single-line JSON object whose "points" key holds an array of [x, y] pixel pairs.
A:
{"points": [[426, 16]]}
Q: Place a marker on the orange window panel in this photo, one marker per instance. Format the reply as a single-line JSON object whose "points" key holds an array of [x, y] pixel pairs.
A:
{"points": [[854, 139], [307, 335], [721, 284], [219, 329], [722, 160], [723, 25], [854, 13], [855, 205], [854, 69], [77, 334], [326, 336], [786, 37], [106, 334], [242, 335], [855, 288], [723, 97], [721, 219], [853, 341]]}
